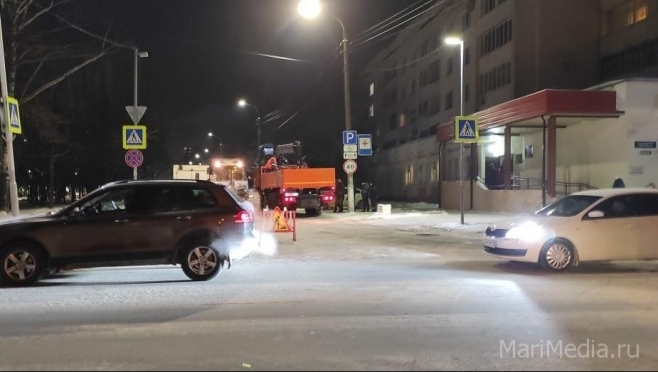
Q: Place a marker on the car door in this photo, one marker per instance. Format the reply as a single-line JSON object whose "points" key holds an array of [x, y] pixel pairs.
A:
{"points": [[96, 229], [649, 227], [616, 235], [158, 223]]}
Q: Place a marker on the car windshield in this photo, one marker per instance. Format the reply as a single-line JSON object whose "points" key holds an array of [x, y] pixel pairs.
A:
{"points": [[568, 206]]}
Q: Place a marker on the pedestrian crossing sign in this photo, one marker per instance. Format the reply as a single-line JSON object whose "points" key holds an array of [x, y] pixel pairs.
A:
{"points": [[134, 137], [13, 117], [466, 129]]}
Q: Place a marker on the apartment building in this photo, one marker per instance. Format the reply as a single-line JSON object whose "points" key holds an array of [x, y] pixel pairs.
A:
{"points": [[512, 48]]}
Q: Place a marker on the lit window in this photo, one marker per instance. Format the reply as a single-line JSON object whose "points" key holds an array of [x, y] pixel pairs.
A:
{"points": [[434, 173], [371, 113], [409, 175], [372, 89], [403, 120]]}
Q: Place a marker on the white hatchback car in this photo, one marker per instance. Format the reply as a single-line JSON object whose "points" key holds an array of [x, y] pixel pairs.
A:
{"points": [[596, 225]]}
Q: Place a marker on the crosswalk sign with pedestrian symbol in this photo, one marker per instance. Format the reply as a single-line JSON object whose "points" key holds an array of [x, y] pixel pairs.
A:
{"points": [[134, 137], [466, 129], [13, 116]]}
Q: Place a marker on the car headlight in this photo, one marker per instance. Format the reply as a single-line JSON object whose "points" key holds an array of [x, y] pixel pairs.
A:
{"points": [[528, 232]]}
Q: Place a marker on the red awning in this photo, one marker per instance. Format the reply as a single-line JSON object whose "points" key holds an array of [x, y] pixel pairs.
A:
{"points": [[550, 102]]}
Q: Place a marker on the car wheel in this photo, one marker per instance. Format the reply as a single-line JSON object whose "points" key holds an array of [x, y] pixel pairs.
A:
{"points": [[22, 263], [201, 262], [557, 255]]}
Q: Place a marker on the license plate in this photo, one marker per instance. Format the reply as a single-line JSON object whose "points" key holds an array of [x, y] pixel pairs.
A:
{"points": [[490, 242]]}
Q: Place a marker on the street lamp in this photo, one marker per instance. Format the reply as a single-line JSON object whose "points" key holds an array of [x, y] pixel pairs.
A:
{"points": [[454, 41], [311, 9], [243, 103]]}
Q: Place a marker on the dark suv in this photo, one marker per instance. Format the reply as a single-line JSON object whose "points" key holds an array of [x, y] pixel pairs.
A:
{"points": [[192, 223]]}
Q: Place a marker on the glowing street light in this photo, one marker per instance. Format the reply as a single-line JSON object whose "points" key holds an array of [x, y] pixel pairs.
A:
{"points": [[309, 9], [243, 103], [197, 156]]}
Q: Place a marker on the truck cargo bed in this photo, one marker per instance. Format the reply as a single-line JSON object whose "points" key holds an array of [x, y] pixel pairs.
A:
{"points": [[301, 178]]}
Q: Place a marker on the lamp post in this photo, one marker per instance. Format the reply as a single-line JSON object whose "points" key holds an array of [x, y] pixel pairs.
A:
{"points": [[454, 41], [243, 103], [311, 9], [138, 55]]}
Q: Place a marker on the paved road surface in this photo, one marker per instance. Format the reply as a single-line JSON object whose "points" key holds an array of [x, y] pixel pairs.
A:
{"points": [[352, 293]]}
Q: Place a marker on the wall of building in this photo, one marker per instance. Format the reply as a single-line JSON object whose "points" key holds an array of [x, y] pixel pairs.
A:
{"points": [[526, 201], [595, 151], [556, 44]]}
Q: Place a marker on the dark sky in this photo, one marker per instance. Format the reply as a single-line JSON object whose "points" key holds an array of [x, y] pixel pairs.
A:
{"points": [[199, 65]]}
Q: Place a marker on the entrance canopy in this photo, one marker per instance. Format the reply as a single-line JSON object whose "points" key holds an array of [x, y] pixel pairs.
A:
{"points": [[523, 112]]}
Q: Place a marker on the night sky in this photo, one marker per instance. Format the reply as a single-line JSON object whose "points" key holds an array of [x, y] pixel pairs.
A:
{"points": [[200, 63]]}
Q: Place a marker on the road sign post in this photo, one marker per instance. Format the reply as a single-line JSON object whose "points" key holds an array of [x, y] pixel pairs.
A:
{"points": [[350, 139], [134, 158], [466, 131], [350, 166], [365, 145]]}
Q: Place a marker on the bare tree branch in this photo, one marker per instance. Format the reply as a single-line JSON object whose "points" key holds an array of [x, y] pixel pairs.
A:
{"points": [[68, 73], [50, 7], [34, 73]]}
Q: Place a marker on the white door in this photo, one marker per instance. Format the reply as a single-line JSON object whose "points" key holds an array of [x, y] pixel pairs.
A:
{"points": [[616, 235], [649, 227]]}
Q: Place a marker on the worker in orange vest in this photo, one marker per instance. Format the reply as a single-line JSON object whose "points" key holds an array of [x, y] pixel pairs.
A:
{"points": [[271, 163]]}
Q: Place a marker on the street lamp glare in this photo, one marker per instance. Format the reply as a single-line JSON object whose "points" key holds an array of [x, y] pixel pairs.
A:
{"points": [[205, 150], [309, 9], [218, 164], [197, 156], [210, 134], [240, 164], [453, 40], [242, 103]]}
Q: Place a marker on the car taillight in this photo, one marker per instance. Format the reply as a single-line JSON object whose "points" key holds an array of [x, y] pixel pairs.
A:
{"points": [[243, 217]]}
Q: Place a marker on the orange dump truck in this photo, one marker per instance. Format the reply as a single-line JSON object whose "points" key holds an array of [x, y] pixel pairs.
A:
{"points": [[293, 185]]}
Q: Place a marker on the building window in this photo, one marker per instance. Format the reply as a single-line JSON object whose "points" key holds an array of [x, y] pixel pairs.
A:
{"points": [[449, 103], [467, 56], [413, 87], [467, 92], [424, 78], [637, 11], [371, 112], [434, 172], [449, 66], [634, 58], [403, 120], [372, 89], [409, 175], [403, 93], [628, 13], [435, 71], [487, 6], [412, 116], [496, 37], [497, 77], [423, 108], [414, 134], [466, 21], [423, 48]]}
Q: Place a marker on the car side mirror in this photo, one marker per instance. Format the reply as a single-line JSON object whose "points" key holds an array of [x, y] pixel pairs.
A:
{"points": [[596, 214], [75, 212]]}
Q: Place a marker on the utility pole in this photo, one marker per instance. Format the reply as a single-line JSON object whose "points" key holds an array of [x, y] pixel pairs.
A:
{"points": [[9, 137]]}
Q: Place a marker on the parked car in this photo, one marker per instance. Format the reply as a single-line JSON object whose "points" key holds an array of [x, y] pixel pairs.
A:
{"points": [[329, 198], [595, 225], [196, 224]]}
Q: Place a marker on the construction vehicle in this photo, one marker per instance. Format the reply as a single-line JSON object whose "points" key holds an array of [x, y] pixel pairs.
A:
{"points": [[283, 180], [224, 171]]}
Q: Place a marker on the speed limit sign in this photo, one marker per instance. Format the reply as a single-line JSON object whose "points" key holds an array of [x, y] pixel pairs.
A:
{"points": [[349, 166]]}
